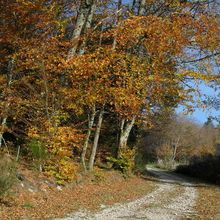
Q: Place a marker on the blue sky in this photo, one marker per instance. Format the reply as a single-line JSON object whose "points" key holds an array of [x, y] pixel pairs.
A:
{"points": [[200, 115]]}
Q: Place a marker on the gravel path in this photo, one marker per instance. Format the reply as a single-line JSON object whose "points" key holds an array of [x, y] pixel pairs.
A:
{"points": [[173, 198]]}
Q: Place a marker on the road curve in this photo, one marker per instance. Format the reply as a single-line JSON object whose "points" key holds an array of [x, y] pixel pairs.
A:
{"points": [[173, 199]]}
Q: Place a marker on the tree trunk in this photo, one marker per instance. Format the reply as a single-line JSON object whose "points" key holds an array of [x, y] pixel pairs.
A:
{"points": [[87, 26], [4, 120], [124, 134], [46, 90], [141, 8], [133, 6], [83, 21], [126, 127], [85, 146], [119, 14], [3, 125], [175, 148], [96, 139]]}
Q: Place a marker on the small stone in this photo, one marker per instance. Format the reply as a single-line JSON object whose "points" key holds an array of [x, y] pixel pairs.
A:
{"points": [[59, 188], [30, 190], [102, 206]]}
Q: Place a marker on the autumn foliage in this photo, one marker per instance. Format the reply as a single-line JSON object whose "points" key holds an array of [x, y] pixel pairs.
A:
{"points": [[66, 66]]}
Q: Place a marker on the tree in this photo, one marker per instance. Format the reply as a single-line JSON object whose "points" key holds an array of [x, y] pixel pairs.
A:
{"points": [[64, 64], [178, 138]]}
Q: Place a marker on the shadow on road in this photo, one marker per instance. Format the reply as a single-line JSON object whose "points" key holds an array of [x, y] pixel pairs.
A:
{"points": [[162, 176]]}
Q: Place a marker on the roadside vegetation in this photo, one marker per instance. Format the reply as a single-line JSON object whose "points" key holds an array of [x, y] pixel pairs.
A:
{"points": [[7, 174], [46, 201]]}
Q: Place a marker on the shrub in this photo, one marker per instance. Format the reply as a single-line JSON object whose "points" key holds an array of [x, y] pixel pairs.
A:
{"points": [[165, 152], [167, 164], [7, 174], [140, 162], [38, 151], [165, 155], [63, 169], [125, 163]]}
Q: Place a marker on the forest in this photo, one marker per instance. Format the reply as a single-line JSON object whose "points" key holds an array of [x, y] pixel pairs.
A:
{"points": [[89, 84]]}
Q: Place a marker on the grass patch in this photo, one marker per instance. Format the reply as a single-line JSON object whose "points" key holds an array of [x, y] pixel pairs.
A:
{"points": [[7, 174], [27, 205]]}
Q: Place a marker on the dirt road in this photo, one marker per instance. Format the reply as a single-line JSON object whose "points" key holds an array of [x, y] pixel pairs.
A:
{"points": [[173, 198]]}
